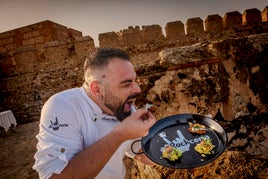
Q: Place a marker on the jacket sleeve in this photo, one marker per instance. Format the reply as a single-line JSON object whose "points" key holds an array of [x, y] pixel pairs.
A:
{"points": [[59, 137]]}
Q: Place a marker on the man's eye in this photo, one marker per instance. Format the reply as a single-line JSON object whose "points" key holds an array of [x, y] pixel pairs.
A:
{"points": [[128, 84]]}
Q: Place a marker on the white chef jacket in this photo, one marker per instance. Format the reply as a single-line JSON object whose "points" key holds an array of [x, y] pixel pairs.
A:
{"points": [[71, 121]]}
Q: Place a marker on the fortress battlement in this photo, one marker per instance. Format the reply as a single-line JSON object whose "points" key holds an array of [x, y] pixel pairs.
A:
{"points": [[41, 59]]}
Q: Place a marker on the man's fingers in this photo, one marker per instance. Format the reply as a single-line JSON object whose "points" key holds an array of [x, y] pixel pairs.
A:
{"points": [[141, 114]]}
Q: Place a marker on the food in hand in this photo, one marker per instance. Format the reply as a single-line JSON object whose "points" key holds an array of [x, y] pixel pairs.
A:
{"points": [[171, 153], [148, 106], [197, 128], [133, 108], [205, 147]]}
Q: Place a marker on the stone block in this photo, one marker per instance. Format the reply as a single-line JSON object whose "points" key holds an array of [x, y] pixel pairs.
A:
{"points": [[194, 26], [151, 33], [109, 39], [264, 14], [131, 36], [251, 17], [232, 20], [183, 55], [214, 23], [84, 46], [174, 30]]}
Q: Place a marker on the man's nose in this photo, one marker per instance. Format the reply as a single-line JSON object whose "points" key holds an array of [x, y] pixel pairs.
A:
{"points": [[136, 88]]}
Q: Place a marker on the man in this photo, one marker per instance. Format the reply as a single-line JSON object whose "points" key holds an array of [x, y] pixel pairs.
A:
{"points": [[85, 132]]}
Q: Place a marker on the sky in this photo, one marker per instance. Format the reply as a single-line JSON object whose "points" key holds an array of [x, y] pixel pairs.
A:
{"points": [[93, 17]]}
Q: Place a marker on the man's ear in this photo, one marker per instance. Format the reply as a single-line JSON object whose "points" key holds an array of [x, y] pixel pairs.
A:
{"points": [[95, 88]]}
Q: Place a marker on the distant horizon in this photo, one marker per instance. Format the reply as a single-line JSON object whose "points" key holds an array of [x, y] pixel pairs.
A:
{"points": [[97, 17]]}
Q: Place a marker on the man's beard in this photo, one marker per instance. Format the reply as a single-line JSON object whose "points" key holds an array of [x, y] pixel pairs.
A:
{"points": [[117, 106], [121, 116]]}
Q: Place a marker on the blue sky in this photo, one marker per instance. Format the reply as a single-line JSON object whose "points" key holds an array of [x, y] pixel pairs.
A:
{"points": [[93, 17]]}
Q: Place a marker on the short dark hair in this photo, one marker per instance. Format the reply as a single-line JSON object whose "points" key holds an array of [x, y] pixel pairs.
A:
{"points": [[101, 58]]}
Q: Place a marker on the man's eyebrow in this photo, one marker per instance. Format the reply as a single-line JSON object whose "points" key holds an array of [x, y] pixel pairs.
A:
{"points": [[126, 81]]}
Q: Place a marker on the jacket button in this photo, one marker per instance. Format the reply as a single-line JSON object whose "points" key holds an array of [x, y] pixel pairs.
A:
{"points": [[62, 150]]}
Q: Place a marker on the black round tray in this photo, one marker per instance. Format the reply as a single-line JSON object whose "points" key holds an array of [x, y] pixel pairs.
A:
{"points": [[173, 130]]}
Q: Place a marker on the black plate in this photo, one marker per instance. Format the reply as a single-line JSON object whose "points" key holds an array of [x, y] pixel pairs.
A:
{"points": [[173, 130]]}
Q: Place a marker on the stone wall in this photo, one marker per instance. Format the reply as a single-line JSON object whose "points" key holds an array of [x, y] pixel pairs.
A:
{"points": [[176, 30], [32, 73], [36, 74], [227, 75], [35, 35]]}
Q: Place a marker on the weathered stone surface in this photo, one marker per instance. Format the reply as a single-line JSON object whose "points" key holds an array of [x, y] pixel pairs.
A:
{"points": [[178, 56], [83, 47], [109, 39], [246, 64]]}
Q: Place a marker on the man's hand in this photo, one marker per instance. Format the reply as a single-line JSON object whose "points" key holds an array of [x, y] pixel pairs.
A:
{"points": [[136, 125]]}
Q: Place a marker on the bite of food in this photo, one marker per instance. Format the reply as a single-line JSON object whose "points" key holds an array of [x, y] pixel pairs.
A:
{"points": [[197, 128], [171, 153], [133, 107], [205, 147]]}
